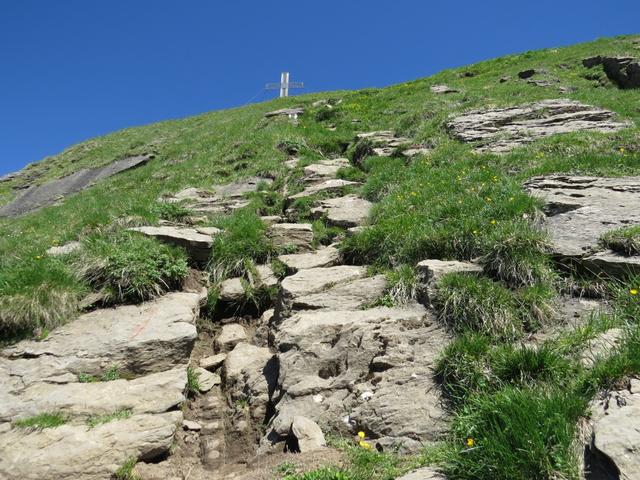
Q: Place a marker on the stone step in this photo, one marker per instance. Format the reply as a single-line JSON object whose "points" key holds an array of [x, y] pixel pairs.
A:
{"points": [[198, 245], [347, 212], [323, 257]]}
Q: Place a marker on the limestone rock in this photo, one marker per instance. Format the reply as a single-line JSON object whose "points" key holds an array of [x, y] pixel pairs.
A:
{"points": [[155, 393], [424, 473], [269, 220], [324, 170], [232, 290], [329, 358], [191, 425], [432, 270], [289, 112], [251, 374], [137, 339], [502, 129], [65, 249], [213, 362], [298, 235], [83, 453], [385, 143], [442, 89], [324, 257], [197, 245], [580, 209], [307, 434], [230, 336], [348, 211], [335, 185], [601, 346], [613, 450], [48, 193], [351, 294], [206, 379]]}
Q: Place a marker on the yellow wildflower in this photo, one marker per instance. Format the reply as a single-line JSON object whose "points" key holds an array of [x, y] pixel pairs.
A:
{"points": [[38, 257], [470, 442], [633, 291], [493, 222], [365, 445], [361, 435]]}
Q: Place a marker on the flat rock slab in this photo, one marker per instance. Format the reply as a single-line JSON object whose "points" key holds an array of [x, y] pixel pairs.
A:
{"points": [[251, 374], [348, 211], [198, 245], [324, 257], [361, 369], [83, 453], [581, 209], [40, 196], [502, 129], [297, 235], [350, 294], [154, 393], [138, 339], [316, 280], [65, 249], [442, 89], [614, 449], [324, 170], [425, 473], [384, 143], [328, 186]]}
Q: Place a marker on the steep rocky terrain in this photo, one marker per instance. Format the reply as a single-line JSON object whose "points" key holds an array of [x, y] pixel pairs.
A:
{"points": [[436, 280]]}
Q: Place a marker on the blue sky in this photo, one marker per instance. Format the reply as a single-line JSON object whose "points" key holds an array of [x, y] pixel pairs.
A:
{"points": [[74, 69]]}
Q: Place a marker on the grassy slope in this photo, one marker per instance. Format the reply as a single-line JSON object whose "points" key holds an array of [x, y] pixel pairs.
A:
{"points": [[450, 204]]}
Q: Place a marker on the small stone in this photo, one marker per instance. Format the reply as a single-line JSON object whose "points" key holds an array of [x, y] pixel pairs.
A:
{"points": [[271, 219], [207, 380], [65, 249], [230, 336], [307, 435], [191, 425], [212, 362], [527, 73], [442, 89], [425, 473]]}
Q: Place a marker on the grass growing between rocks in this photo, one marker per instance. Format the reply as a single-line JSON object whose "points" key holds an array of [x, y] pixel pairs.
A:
{"points": [[40, 421], [625, 241], [96, 420]]}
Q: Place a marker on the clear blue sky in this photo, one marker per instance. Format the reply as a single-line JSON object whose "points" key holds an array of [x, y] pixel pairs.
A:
{"points": [[74, 69]]}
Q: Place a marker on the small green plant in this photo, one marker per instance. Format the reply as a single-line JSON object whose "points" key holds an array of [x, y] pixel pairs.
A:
{"points": [[96, 420], [43, 420], [174, 212], [128, 267], [193, 382], [111, 374], [324, 234], [625, 241], [125, 472]]}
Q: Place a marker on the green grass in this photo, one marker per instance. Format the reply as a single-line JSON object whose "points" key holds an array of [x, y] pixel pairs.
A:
{"points": [[125, 472], [625, 241], [173, 212], [111, 374], [96, 420], [193, 383], [43, 420], [128, 267]]}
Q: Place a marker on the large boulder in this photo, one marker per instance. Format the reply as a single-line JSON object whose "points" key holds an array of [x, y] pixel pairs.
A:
{"points": [[84, 453], [344, 369], [198, 245], [612, 450], [137, 339], [502, 129], [580, 210]]}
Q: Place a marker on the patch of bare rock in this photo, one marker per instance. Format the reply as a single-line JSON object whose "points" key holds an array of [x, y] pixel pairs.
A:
{"points": [[323, 257], [385, 143], [503, 129], [295, 235], [612, 449], [197, 244], [335, 185], [580, 209], [324, 170], [348, 211]]}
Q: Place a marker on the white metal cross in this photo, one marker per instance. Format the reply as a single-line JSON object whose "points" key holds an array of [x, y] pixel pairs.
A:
{"points": [[284, 85]]}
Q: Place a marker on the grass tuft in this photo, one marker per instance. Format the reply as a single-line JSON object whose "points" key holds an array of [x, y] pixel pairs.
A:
{"points": [[625, 241], [43, 420], [128, 267], [96, 420]]}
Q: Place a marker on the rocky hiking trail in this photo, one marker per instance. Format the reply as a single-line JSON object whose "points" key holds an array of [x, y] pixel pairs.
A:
{"points": [[326, 357]]}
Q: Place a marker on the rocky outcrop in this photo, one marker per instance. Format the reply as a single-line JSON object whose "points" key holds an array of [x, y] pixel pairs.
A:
{"points": [[295, 235], [81, 452], [286, 112], [344, 369], [330, 186], [612, 450], [66, 249], [503, 129], [623, 71], [580, 210], [385, 143], [324, 170], [348, 211], [442, 89], [198, 245], [48, 193], [432, 270], [323, 257]]}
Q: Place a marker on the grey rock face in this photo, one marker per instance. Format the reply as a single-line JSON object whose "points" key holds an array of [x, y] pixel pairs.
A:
{"points": [[40, 196], [581, 209], [198, 245], [80, 452], [348, 211], [251, 374], [361, 369], [613, 450], [138, 339], [502, 129], [298, 235], [307, 434], [623, 71], [324, 257]]}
